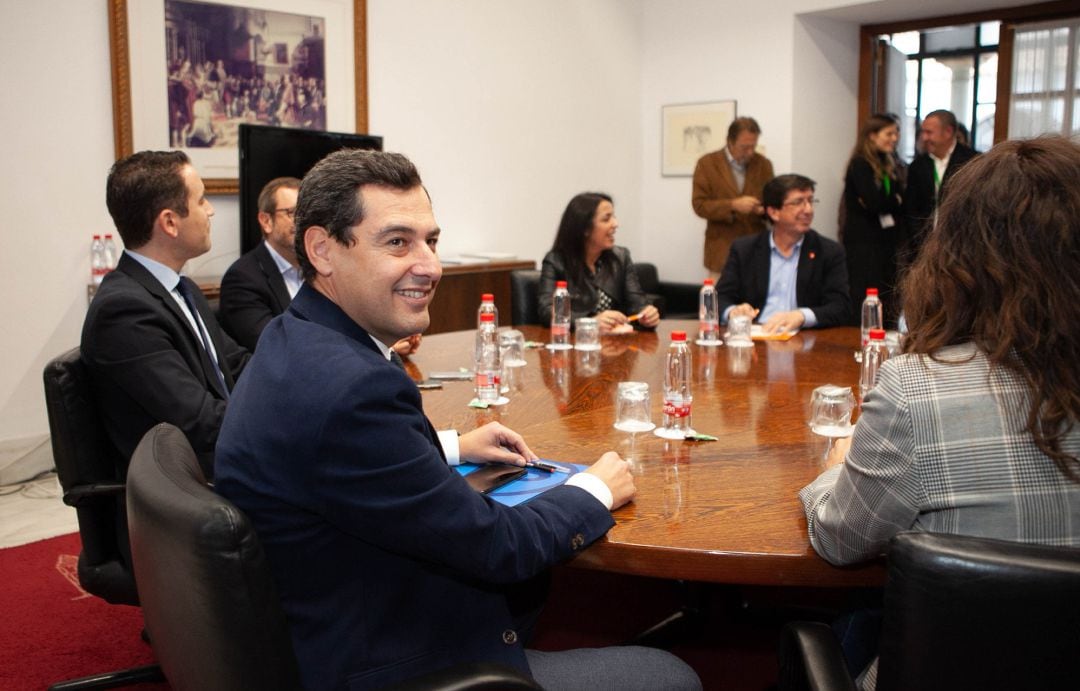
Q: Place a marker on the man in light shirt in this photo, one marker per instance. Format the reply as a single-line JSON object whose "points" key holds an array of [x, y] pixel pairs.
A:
{"points": [[942, 156], [787, 277], [261, 284], [388, 563], [150, 342]]}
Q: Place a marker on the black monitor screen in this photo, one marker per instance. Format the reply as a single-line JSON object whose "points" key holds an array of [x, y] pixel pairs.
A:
{"points": [[271, 152]]}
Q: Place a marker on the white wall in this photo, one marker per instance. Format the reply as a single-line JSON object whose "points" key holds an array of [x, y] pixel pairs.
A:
{"points": [[509, 107]]}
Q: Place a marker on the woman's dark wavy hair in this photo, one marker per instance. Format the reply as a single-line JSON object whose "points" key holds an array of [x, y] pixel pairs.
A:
{"points": [[1001, 268], [573, 233]]}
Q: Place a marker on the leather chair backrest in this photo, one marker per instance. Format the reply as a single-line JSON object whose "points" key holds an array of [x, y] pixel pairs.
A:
{"points": [[85, 461], [209, 600], [524, 295], [648, 277], [976, 613]]}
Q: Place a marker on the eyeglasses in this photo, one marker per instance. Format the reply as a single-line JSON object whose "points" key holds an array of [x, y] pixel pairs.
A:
{"points": [[799, 203], [290, 213]]}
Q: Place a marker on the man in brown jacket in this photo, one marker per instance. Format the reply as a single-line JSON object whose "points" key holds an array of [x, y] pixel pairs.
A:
{"points": [[727, 191]]}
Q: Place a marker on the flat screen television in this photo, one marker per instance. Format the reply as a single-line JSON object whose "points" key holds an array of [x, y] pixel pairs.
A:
{"points": [[270, 152]]}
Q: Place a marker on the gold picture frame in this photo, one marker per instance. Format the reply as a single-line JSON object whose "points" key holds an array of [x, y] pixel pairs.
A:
{"points": [[129, 129]]}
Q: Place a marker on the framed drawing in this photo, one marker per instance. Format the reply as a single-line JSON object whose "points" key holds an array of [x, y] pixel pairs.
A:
{"points": [[691, 130], [186, 73]]}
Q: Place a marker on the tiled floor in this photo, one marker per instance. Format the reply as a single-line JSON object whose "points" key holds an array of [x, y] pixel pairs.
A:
{"points": [[32, 511]]}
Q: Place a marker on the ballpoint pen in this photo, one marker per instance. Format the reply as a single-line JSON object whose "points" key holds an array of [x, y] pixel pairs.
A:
{"points": [[546, 467]]}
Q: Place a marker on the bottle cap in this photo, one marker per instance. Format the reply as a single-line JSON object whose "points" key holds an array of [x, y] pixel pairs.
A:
{"points": [[489, 317], [877, 334], [681, 336], [487, 297], [871, 291], [96, 236], [707, 282], [560, 284]]}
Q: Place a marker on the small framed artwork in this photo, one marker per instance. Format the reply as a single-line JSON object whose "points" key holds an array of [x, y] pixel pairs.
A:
{"points": [[187, 73], [691, 130]]}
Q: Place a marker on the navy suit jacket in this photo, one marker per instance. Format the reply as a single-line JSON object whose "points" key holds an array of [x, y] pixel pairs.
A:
{"points": [[252, 293], [147, 365], [821, 282], [387, 563]]}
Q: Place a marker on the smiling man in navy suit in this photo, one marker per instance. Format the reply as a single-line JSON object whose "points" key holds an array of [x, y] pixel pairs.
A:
{"points": [[388, 563], [786, 277]]}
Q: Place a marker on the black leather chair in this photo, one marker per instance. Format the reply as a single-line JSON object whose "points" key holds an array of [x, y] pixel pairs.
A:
{"points": [[674, 300], [960, 613], [88, 467], [524, 296], [209, 599]]}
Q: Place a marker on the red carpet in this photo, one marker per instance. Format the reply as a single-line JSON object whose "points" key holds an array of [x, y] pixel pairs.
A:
{"points": [[52, 630]]}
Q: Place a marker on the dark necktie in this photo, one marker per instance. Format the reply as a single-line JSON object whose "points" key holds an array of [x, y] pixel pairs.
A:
{"points": [[185, 292], [396, 359]]}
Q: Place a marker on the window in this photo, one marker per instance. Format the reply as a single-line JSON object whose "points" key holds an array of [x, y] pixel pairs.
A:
{"points": [[1046, 81], [950, 68]]}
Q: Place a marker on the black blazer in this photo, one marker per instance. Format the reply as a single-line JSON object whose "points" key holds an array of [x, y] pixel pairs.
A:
{"points": [[821, 282], [147, 365], [252, 293], [615, 275], [919, 198]]}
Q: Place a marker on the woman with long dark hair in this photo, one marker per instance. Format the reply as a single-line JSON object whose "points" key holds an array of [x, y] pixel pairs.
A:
{"points": [[973, 429], [600, 275], [873, 193]]}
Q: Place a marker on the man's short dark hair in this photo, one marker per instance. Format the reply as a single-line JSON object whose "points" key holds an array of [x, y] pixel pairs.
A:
{"points": [[140, 187], [267, 202], [740, 125], [772, 197], [945, 117], [330, 194]]}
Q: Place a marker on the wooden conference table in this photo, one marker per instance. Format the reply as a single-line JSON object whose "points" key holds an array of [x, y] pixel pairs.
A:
{"points": [[724, 511]]}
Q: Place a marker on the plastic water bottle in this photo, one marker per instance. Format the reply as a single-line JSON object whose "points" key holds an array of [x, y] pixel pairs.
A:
{"points": [[112, 254], [98, 267], [488, 361], [487, 306], [560, 317], [708, 314], [677, 393], [874, 354], [871, 315]]}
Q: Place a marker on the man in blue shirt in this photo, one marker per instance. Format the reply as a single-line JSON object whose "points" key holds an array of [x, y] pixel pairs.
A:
{"points": [[788, 276]]}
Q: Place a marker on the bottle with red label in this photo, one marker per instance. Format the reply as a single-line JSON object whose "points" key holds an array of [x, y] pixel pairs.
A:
{"points": [[560, 317], [488, 362], [487, 305], [678, 396]]}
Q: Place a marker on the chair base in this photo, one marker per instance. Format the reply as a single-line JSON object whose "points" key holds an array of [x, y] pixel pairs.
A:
{"points": [[112, 680]]}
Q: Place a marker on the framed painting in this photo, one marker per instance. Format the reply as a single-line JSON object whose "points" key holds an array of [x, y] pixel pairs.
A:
{"points": [[187, 73], [691, 130]]}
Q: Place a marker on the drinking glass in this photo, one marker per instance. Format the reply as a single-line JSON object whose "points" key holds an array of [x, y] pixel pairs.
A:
{"points": [[512, 345], [830, 411], [738, 334], [632, 411], [587, 334]]}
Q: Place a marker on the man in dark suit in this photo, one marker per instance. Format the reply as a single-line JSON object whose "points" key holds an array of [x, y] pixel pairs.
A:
{"points": [[262, 283], [942, 156], [787, 277], [388, 564], [154, 351]]}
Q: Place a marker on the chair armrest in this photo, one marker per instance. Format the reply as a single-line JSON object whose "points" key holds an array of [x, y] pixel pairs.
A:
{"points": [[811, 659], [84, 495], [681, 298], [473, 675]]}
